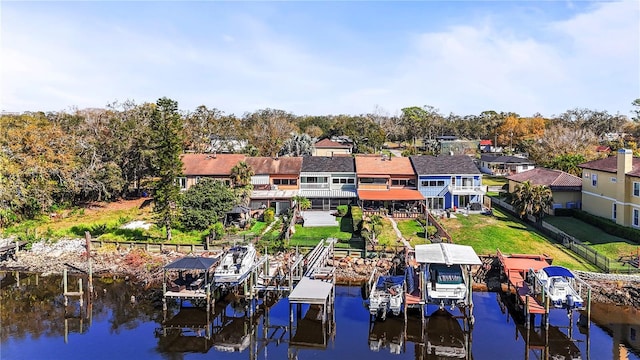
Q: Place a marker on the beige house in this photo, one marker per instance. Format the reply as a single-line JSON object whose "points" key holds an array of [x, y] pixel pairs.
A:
{"points": [[565, 188], [326, 147], [611, 188]]}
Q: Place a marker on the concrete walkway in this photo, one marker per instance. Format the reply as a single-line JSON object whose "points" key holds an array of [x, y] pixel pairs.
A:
{"points": [[319, 218], [399, 234]]}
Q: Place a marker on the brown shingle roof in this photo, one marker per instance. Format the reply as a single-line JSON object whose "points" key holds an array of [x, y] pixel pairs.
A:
{"points": [[366, 165], [326, 143], [610, 164], [209, 164], [554, 179], [273, 166]]}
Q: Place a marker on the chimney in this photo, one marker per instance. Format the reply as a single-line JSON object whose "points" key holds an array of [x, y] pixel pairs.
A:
{"points": [[624, 165], [625, 162]]}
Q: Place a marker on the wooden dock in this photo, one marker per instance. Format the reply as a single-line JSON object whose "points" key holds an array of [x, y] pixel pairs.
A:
{"points": [[515, 268], [316, 289]]}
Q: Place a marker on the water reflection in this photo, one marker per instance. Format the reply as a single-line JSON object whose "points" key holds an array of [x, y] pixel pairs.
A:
{"points": [[33, 317]]}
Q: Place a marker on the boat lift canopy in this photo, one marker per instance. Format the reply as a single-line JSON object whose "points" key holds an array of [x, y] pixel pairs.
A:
{"points": [[192, 263], [448, 254], [557, 271]]}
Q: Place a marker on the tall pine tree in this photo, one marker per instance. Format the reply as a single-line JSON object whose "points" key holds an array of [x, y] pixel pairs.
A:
{"points": [[166, 134]]}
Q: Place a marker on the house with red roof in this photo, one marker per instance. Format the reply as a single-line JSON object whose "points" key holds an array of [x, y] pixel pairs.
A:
{"points": [[211, 166], [388, 183], [566, 189]]}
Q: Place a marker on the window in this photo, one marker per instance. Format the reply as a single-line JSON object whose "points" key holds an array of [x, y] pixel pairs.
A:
{"points": [[636, 189], [636, 217], [632, 334], [381, 181], [285, 181], [594, 179], [314, 180], [182, 183], [614, 180], [586, 175], [403, 182], [614, 214], [432, 183]]}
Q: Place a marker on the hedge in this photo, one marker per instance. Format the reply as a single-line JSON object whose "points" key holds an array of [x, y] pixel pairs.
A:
{"points": [[608, 226]]}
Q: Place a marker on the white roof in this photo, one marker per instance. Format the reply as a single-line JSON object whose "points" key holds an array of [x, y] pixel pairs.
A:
{"points": [[448, 254], [273, 194], [328, 193], [311, 291]]}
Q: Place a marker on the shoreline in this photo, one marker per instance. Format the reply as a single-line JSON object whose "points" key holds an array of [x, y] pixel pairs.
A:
{"points": [[146, 269]]}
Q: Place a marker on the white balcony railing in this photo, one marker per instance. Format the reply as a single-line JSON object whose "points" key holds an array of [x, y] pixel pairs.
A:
{"points": [[316, 186], [470, 189]]}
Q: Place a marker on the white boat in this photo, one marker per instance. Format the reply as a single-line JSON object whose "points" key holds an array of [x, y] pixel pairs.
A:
{"points": [[446, 284], [236, 264], [387, 296], [559, 284]]}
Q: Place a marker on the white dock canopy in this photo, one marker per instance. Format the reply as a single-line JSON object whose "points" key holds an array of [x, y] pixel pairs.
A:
{"points": [[311, 291], [448, 254]]}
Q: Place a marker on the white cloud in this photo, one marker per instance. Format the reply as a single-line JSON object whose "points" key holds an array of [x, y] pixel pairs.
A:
{"points": [[589, 60]]}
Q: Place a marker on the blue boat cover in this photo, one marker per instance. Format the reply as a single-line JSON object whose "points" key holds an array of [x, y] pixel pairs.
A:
{"points": [[558, 271], [411, 281], [387, 281]]}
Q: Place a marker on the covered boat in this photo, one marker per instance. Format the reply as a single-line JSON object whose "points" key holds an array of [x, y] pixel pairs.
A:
{"points": [[236, 264], [559, 284], [387, 296]]}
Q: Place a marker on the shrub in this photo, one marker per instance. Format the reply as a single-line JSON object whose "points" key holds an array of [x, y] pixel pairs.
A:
{"points": [[356, 215], [269, 215], [216, 230], [431, 230], [342, 210]]}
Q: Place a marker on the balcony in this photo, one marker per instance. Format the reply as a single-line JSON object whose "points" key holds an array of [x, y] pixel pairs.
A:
{"points": [[467, 189], [314, 186]]}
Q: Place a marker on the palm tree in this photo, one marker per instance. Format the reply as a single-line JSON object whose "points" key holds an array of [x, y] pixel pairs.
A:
{"points": [[241, 174], [302, 203], [529, 199]]}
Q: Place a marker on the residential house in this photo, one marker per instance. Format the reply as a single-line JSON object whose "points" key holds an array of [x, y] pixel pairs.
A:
{"points": [[212, 166], [448, 181], [327, 147], [503, 165], [328, 181], [275, 181], [611, 188], [388, 183], [566, 189]]}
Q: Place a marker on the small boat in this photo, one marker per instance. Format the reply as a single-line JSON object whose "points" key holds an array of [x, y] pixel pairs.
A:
{"points": [[446, 284], [559, 284], [387, 296], [236, 264]]}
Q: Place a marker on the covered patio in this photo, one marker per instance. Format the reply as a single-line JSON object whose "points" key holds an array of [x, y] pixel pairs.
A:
{"points": [[397, 203]]}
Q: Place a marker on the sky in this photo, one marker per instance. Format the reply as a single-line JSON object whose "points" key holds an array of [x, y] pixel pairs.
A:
{"points": [[322, 58]]}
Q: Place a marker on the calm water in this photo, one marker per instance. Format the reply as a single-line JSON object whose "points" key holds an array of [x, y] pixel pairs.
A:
{"points": [[36, 325]]}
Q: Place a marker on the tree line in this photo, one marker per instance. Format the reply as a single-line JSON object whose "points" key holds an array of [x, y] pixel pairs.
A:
{"points": [[55, 159]]}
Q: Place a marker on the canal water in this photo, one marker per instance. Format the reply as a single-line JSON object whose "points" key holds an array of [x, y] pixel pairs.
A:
{"points": [[117, 324]]}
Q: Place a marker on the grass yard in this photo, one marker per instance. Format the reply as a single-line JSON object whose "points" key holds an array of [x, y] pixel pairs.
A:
{"points": [[494, 180], [608, 245], [486, 234], [310, 236], [412, 231]]}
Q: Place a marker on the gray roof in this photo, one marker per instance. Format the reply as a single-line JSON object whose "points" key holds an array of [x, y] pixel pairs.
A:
{"points": [[505, 159], [328, 164], [443, 165]]}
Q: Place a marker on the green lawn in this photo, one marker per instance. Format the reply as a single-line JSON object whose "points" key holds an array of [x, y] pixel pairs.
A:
{"points": [[608, 245], [412, 231], [487, 234], [494, 180], [310, 236]]}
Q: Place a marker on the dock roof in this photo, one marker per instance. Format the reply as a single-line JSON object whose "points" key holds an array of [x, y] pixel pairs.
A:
{"points": [[192, 263], [448, 254], [311, 291]]}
